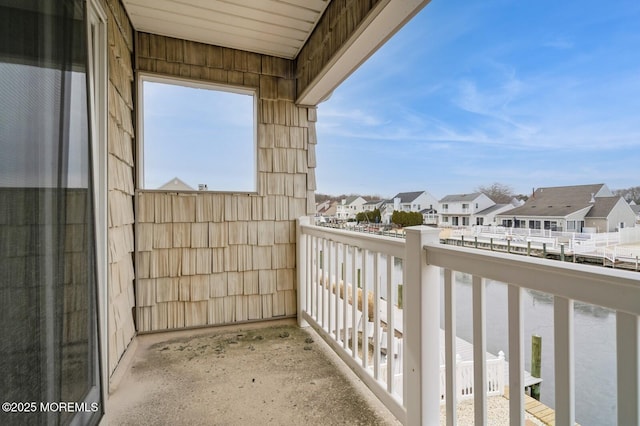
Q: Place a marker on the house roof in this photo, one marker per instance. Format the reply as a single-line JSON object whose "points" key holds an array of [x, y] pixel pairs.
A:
{"points": [[176, 184], [493, 208], [558, 201], [407, 197], [460, 197], [635, 208], [351, 199], [373, 202], [603, 207]]}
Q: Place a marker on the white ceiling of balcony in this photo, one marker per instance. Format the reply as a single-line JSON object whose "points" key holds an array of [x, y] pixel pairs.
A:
{"points": [[272, 27]]}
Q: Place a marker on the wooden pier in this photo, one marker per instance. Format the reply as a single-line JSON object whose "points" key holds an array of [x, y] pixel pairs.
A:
{"points": [[537, 409]]}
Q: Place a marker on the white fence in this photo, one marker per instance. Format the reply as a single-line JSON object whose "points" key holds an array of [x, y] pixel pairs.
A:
{"points": [[336, 252], [464, 378]]}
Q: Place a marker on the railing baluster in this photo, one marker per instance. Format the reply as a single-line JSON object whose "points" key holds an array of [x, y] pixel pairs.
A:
{"points": [[563, 359], [309, 276], [316, 287], [336, 312], [330, 284], [390, 325], [450, 347], [628, 356], [354, 306], [345, 296], [365, 311], [325, 278], [516, 355], [376, 316], [479, 352]]}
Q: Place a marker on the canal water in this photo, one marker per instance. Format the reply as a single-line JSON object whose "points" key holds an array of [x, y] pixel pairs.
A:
{"points": [[594, 339]]}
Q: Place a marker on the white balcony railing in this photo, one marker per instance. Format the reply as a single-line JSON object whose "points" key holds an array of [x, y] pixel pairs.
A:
{"points": [[407, 360]]}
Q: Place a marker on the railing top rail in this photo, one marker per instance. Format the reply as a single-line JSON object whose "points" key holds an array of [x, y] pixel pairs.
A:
{"points": [[610, 288], [382, 244]]}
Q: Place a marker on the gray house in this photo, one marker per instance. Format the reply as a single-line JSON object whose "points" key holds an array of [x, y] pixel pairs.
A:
{"points": [[575, 208]]}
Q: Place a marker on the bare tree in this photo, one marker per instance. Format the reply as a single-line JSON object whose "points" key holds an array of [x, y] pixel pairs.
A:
{"points": [[498, 192], [629, 194]]}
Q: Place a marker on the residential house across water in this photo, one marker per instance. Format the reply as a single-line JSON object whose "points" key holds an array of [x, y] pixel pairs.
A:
{"points": [[577, 208]]}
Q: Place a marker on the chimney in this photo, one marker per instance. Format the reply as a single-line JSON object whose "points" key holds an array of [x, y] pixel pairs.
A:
{"points": [[533, 192], [593, 200], [396, 203]]}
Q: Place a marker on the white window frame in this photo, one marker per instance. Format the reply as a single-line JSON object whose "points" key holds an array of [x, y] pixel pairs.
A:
{"points": [[96, 21], [196, 84]]}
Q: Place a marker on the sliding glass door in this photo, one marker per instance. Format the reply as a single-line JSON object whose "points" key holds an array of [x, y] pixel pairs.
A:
{"points": [[48, 309]]}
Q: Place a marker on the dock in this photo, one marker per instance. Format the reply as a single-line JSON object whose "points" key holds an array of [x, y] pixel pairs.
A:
{"points": [[537, 409]]}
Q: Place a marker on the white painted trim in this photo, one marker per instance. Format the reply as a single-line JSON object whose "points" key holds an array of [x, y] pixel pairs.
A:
{"points": [[479, 351], [421, 330], [611, 288], [564, 360], [516, 355], [450, 347], [98, 107], [628, 368]]}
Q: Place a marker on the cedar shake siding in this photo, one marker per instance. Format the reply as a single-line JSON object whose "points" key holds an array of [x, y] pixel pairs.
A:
{"points": [[209, 258], [120, 164]]}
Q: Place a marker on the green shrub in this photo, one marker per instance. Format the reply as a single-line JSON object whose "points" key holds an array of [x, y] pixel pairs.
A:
{"points": [[406, 218]]}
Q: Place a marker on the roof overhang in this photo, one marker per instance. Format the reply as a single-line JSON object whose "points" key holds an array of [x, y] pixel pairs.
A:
{"points": [[273, 27], [384, 21], [270, 27]]}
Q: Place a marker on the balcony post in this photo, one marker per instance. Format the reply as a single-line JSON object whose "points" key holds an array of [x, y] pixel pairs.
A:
{"points": [[301, 263], [421, 330]]}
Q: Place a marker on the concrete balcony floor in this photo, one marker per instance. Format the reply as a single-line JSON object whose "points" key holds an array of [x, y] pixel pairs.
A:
{"points": [[270, 373]]}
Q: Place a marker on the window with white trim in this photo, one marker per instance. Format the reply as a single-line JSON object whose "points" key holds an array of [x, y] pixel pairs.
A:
{"points": [[196, 136]]}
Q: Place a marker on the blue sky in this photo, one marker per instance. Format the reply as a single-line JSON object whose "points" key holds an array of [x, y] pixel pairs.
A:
{"points": [[213, 132], [527, 94]]}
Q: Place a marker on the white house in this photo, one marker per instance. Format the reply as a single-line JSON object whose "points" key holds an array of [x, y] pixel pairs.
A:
{"points": [[349, 207], [407, 202], [461, 209]]}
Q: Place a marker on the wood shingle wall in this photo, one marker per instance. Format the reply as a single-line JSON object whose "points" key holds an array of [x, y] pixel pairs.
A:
{"points": [[216, 258], [120, 165]]}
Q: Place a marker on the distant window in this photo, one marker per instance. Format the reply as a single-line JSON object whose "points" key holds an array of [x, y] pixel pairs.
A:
{"points": [[197, 136]]}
